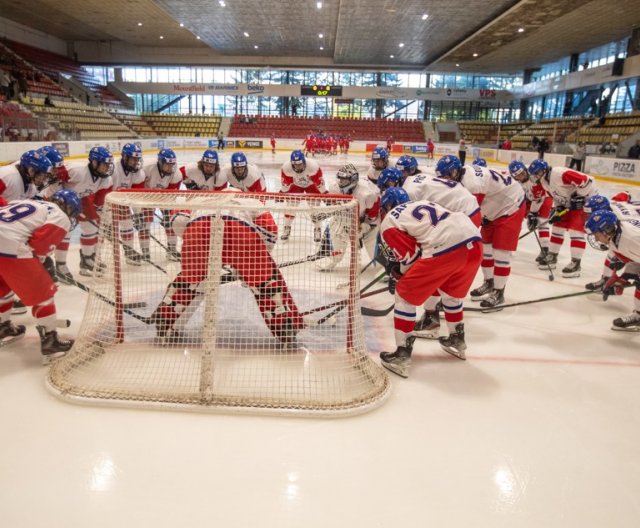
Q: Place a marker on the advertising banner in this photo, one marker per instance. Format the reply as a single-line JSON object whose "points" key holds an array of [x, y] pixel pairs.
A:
{"points": [[618, 168]]}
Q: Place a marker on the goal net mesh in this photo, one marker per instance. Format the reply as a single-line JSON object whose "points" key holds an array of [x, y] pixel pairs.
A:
{"points": [[197, 303]]}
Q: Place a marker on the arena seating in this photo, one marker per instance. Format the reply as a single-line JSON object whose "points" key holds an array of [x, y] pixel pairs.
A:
{"points": [[295, 127], [135, 122], [613, 128], [556, 130], [184, 125]]}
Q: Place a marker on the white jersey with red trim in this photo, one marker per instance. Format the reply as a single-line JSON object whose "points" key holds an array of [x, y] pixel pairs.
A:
{"points": [[626, 241], [31, 227], [310, 178], [12, 186], [498, 195], [193, 176], [447, 193], [155, 180], [123, 179], [81, 181], [626, 210], [373, 175], [535, 193], [252, 182], [368, 200], [561, 183], [425, 229]]}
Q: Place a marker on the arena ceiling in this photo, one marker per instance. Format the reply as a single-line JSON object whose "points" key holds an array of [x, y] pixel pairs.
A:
{"points": [[507, 35]]}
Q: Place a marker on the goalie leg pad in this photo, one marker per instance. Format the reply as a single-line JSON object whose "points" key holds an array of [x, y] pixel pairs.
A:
{"points": [[278, 308], [176, 300]]}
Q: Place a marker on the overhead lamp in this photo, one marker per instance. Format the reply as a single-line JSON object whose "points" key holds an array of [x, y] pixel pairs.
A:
{"points": [[222, 4], [425, 16], [319, 5], [475, 54], [181, 24], [457, 65], [161, 37], [401, 45], [520, 30], [197, 37], [246, 34], [256, 46], [320, 35], [391, 56], [139, 23], [321, 48]]}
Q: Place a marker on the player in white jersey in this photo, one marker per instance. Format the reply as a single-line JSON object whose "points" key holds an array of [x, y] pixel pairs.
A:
{"points": [[242, 175], [538, 206], [23, 179], [161, 174], [379, 162], [623, 238], [30, 231], [91, 182], [502, 206], [299, 176], [408, 166], [347, 182], [129, 174], [247, 239], [624, 210], [569, 190], [204, 175], [431, 251]]}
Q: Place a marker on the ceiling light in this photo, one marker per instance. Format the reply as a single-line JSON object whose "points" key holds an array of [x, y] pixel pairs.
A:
{"points": [[222, 4], [320, 35], [391, 56], [319, 5], [181, 24], [475, 54], [161, 37], [139, 23], [520, 30], [401, 45], [425, 16], [197, 37], [321, 47], [256, 46], [246, 34], [457, 65]]}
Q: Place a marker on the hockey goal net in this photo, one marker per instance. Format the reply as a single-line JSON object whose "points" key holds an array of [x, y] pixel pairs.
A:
{"points": [[238, 322]]}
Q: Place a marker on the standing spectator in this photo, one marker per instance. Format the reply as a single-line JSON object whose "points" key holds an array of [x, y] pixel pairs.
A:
{"points": [[203, 108], [462, 150], [506, 144], [634, 151], [578, 156], [430, 148], [294, 108], [220, 140], [535, 141], [543, 146]]}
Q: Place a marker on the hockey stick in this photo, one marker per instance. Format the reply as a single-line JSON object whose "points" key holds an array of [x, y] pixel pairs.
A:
{"points": [[551, 277], [544, 224]]}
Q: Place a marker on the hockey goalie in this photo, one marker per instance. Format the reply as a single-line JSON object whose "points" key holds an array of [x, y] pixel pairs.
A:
{"points": [[247, 239]]}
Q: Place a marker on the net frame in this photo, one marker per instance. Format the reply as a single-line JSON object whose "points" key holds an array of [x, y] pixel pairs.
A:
{"points": [[311, 381]]}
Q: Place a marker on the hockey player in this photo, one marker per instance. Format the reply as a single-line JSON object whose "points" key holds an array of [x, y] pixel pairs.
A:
{"points": [[129, 174], [347, 182], [161, 174], [408, 165], [91, 182], [430, 250], [247, 239], [569, 190], [623, 239], [379, 162], [538, 206], [243, 176], [272, 140], [479, 162], [299, 176], [30, 229], [25, 178], [58, 170], [204, 175], [624, 210], [502, 207]]}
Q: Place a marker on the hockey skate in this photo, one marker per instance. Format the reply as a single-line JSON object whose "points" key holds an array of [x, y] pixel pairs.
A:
{"points": [[399, 361], [483, 290], [629, 323], [428, 327], [494, 299], [542, 255], [10, 333], [286, 233], [572, 269], [87, 263], [51, 346], [63, 273], [18, 308], [549, 262], [132, 257], [454, 343], [596, 286]]}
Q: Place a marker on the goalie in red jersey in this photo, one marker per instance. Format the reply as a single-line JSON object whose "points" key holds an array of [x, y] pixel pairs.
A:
{"points": [[246, 243]]}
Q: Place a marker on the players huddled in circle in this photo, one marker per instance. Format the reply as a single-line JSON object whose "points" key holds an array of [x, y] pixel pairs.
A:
{"points": [[432, 228]]}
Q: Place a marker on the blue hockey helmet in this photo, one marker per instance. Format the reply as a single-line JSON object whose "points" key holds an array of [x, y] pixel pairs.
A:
{"points": [[298, 161], [209, 162], [239, 165], [479, 162], [101, 162], [56, 159], [390, 177], [131, 157], [539, 168], [36, 166], [392, 197], [518, 170], [407, 164], [449, 167], [68, 201], [167, 162], [596, 203], [603, 222], [379, 158]]}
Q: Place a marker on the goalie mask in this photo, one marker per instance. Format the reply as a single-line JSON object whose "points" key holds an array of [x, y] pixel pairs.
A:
{"points": [[347, 178]]}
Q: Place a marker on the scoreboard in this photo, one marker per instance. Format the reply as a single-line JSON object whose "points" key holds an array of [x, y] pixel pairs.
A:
{"points": [[321, 90]]}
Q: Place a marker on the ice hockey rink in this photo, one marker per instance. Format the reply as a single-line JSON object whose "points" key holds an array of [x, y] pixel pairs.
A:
{"points": [[539, 427]]}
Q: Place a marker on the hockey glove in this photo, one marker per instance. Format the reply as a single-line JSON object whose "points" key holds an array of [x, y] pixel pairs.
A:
{"points": [[616, 264], [614, 286], [532, 221], [557, 214], [394, 276], [576, 202]]}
